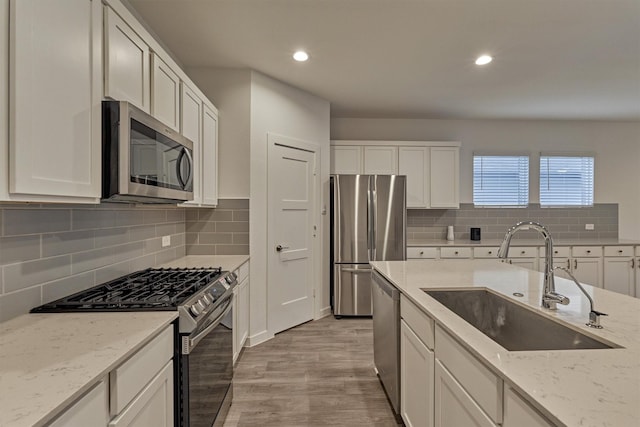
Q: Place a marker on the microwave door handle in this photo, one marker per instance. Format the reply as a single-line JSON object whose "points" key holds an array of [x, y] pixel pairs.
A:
{"points": [[181, 180]]}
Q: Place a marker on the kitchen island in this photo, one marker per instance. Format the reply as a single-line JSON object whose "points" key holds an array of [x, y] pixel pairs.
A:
{"points": [[568, 387]]}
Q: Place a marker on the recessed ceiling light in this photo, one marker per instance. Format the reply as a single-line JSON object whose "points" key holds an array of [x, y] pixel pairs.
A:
{"points": [[301, 56], [483, 60]]}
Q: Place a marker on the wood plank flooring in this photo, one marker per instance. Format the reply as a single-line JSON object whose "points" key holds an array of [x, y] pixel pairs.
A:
{"points": [[317, 374]]}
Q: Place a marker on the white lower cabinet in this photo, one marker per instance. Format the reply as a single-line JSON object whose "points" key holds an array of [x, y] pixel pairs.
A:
{"points": [[518, 413], [241, 310], [137, 393], [588, 270], [453, 405], [153, 406], [416, 379], [92, 409]]}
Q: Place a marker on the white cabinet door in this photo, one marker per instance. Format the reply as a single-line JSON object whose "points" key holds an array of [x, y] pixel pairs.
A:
{"points": [[518, 413], [92, 409], [153, 406], [588, 270], [637, 274], [165, 94], [209, 156], [445, 181], [380, 160], [127, 75], [619, 275], [529, 263], [414, 163], [55, 99], [243, 318], [416, 379], [191, 126], [346, 160], [453, 405]]}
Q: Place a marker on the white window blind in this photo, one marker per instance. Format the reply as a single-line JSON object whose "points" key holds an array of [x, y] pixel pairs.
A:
{"points": [[500, 181], [566, 180]]}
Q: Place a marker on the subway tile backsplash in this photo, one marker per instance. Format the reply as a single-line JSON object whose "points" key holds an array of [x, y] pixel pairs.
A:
{"points": [[220, 231], [49, 251], [563, 223]]}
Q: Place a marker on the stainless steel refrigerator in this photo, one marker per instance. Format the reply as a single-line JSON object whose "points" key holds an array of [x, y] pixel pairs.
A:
{"points": [[368, 223]]}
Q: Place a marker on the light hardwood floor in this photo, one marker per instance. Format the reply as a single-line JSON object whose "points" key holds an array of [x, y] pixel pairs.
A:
{"points": [[317, 374]]}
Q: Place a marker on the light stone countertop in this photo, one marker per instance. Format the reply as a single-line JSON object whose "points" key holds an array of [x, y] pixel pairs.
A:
{"points": [[227, 262], [571, 387], [47, 361], [521, 242]]}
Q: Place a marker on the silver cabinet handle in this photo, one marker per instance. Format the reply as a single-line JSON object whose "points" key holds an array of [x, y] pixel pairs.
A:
{"points": [[279, 248], [575, 264]]}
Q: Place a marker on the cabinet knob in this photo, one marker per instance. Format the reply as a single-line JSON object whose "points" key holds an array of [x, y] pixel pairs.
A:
{"points": [[588, 251], [555, 252], [456, 252], [523, 252], [619, 251], [421, 252], [490, 252]]}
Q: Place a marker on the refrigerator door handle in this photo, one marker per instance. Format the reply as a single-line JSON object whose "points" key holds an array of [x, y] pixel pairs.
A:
{"points": [[374, 197], [357, 270], [370, 236]]}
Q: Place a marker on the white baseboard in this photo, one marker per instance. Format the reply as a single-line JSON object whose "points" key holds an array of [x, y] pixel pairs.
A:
{"points": [[324, 312], [258, 338]]}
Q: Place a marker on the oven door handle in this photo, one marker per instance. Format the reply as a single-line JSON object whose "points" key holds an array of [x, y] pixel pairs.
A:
{"points": [[195, 340]]}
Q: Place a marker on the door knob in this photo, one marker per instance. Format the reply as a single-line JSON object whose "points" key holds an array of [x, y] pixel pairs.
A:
{"points": [[279, 248]]}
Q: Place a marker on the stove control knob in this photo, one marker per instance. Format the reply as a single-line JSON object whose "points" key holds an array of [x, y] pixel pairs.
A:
{"points": [[206, 300], [195, 310]]}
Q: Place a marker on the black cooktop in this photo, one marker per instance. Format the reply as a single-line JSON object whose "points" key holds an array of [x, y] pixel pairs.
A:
{"points": [[150, 289]]}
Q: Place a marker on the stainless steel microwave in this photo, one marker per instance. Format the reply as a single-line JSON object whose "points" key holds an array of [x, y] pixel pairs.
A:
{"points": [[143, 161]]}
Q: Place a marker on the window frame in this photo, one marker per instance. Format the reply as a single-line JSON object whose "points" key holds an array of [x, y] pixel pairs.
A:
{"points": [[522, 184], [589, 170]]}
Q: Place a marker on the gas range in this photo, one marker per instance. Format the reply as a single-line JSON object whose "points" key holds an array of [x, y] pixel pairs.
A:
{"points": [[193, 292]]}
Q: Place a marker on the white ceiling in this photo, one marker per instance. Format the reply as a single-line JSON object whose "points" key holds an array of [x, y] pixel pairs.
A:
{"points": [[553, 59]]}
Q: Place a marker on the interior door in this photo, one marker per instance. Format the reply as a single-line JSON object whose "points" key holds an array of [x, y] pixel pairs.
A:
{"points": [[291, 189]]}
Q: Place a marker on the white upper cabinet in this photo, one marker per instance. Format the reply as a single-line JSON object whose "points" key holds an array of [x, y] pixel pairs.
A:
{"points": [[380, 160], [346, 160], [165, 93], [209, 155], [127, 75], [432, 168], [445, 177], [414, 163], [55, 72], [191, 128]]}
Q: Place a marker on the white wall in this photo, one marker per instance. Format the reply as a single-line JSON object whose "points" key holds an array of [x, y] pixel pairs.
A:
{"points": [[615, 144], [230, 91], [282, 109]]}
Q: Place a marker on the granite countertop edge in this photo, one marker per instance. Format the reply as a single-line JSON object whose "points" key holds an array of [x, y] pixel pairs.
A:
{"points": [[521, 242]]}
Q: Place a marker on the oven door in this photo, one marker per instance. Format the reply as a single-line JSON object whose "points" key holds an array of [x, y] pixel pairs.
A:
{"points": [[207, 370]]}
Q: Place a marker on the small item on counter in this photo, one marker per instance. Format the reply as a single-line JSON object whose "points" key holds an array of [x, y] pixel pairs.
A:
{"points": [[474, 233], [450, 232]]}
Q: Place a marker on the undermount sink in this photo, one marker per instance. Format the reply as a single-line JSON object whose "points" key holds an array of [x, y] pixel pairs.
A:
{"points": [[513, 327]]}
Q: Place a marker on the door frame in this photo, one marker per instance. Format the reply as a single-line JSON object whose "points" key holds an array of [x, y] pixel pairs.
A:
{"points": [[274, 140]]}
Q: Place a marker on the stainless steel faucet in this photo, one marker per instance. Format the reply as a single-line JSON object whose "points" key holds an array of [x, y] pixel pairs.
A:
{"points": [[594, 316], [550, 298]]}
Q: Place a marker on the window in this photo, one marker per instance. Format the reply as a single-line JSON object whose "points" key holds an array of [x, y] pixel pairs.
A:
{"points": [[566, 180], [500, 181]]}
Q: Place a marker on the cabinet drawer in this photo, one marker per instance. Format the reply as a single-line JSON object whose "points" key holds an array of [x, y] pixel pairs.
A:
{"points": [[455, 252], [482, 384], [243, 272], [421, 324], [523, 252], [454, 407], [638, 252], [425, 253], [558, 251], [488, 252], [626, 251], [586, 251], [127, 380], [519, 413]]}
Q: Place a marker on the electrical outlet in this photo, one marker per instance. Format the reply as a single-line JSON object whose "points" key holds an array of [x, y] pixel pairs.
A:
{"points": [[166, 241], [589, 227]]}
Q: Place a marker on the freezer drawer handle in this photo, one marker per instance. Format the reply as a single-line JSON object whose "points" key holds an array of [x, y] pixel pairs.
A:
{"points": [[357, 270]]}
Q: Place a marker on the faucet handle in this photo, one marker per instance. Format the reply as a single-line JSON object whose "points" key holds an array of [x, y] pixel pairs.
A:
{"points": [[594, 319]]}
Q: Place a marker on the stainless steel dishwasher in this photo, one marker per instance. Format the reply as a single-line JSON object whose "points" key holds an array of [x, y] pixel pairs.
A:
{"points": [[386, 338]]}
